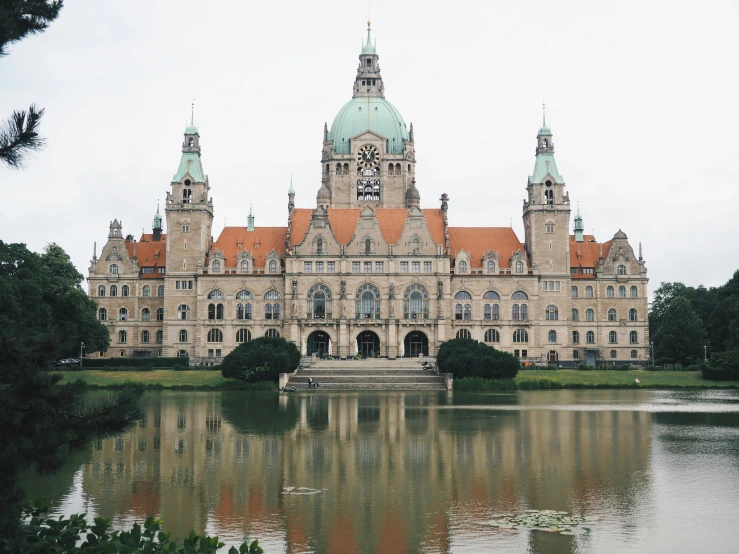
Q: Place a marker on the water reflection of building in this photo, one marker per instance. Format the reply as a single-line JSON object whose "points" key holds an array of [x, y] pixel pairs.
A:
{"points": [[394, 465]]}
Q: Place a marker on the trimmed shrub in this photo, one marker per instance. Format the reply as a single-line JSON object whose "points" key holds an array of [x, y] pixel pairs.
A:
{"points": [[99, 363], [469, 358], [723, 366], [261, 359], [584, 367]]}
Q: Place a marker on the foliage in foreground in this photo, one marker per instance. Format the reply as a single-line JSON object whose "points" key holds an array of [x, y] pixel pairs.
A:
{"points": [[723, 366], [470, 358], [261, 359], [74, 535]]}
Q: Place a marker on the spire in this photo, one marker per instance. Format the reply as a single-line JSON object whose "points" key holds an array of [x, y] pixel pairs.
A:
{"points": [[411, 137], [368, 47], [545, 164], [191, 129], [250, 220], [369, 81], [579, 227], [325, 131], [292, 190]]}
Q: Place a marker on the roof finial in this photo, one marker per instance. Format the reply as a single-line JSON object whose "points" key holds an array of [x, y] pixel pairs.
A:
{"points": [[292, 190], [192, 113], [544, 113], [157, 206]]}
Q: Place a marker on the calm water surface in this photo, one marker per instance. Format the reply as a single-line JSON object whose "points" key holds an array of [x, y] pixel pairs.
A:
{"points": [[421, 472]]}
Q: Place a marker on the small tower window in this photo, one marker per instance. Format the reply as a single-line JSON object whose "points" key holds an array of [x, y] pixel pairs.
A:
{"points": [[550, 227], [190, 142], [188, 182], [186, 196], [114, 269]]}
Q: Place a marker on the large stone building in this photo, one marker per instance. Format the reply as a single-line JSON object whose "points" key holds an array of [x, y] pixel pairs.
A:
{"points": [[368, 270]]}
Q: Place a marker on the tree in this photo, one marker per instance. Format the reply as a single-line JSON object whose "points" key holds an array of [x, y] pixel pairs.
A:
{"points": [[681, 335], [262, 359], [18, 19], [470, 358]]}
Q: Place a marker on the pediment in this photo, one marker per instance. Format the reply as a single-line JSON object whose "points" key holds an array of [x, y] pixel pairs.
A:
{"points": [[368, 136]]}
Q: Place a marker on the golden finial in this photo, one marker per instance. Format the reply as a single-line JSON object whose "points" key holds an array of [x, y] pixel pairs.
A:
{"points": [[369, 24]]}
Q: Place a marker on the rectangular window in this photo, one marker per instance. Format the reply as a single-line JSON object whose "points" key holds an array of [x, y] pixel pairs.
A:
{"points": [[319, 267], [427, 267], [404, 267], [185, 228], [416, 266], [160, 270], [355, 267], [210, 352], [368, 267], [524, 353], [588, 270], [556, 285], [546, 284], [308, 267], [574, 270], [147, 270], [177, 285], [379, 267], [189, 285], [218, 352], [516, 352], [332, 267]]}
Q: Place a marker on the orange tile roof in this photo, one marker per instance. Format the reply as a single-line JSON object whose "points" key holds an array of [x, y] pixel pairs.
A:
{"points": [[392, 222], [149, 253], [343, 223], [300, 222], [476, 241], [260, 242], [587, 253], [435, 223]]}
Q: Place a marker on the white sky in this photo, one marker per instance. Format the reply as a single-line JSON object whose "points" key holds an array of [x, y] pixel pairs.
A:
{"points": [[641, 98]]}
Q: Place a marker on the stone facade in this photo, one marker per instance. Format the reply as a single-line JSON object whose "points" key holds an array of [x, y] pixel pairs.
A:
{"points": [[368, 271]]}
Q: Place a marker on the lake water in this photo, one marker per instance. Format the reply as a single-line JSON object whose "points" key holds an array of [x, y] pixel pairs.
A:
{"points": [[422, 472]]}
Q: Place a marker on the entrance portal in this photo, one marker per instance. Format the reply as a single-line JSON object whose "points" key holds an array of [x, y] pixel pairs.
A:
{"points": [[416, 343], [319, 343], [552, 357], [368, 344]]}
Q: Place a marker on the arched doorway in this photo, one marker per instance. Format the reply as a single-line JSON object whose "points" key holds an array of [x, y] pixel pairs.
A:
{"points": [[416, 343], [319, 343], [368, 344], [552, 357]]}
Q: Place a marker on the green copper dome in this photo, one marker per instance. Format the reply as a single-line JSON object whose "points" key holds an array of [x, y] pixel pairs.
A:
{"points": [[191, 130], [369, 113]]}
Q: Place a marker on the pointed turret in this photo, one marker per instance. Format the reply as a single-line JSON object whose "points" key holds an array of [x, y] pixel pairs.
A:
{"points": [[191, 166], [579, 227], [156, 226], [369, 81], [250, 220], [291, 196], [545, 167]]}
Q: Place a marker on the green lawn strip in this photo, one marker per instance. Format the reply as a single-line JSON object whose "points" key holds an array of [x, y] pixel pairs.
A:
{"points": [[163, 378]]}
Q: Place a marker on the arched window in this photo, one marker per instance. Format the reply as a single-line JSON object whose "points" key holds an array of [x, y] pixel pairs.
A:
{"points": [[113, 290], [391, 169], [160, 336], [590, 337], [576, 337], [272, 333], [216, 266], [632, 314], [122, 336], [519, 267], [243, 335], [273, 266], [575, 314], [487, 313], [490, 266], [216, 295], [516, 312], [552, 313], [102, 314], [397, 169], [520, 335], [338, 169], [621, 269], [219, 311], [609, 291], [588, 292], [634, 292], [101, 290], [123, 314], [612, 314], [215, 335], [634, 354], [186, 195], [367, 302], [552, 335], [272, 311], [458, 311], [147, 290], [467, 312], [463, 295], [145, 336], [524, 312], [491, 295], [633, 337], [462, 266], [183, 312], [268, 311], [589, 314], [346, 172], [247, 311], [160, 314], [463, 334], [114, 269], [275, 311], [182, 353], [416, 302], [239, 311], [244, 295], [622, 291], [613, 354], [612, 337], [519, 295], [492, 335], [319, 302], [574, 292], [183, 335], [160, 290], [211, 311], [244, 266], [146, 314], [125, 290]]}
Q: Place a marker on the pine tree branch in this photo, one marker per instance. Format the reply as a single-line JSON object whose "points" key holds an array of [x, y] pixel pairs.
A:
{"points": [[19, 137], [19, 18]]}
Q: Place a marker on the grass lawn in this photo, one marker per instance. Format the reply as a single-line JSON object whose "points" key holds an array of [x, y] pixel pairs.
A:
{"points": [[162, 378]]}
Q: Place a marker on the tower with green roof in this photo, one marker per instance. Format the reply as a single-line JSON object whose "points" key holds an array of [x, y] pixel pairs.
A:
{"points": [[368, 153]]}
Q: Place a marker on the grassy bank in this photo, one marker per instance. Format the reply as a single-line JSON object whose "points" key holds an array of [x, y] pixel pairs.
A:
{"points": [[532, 379], [163, 379]]}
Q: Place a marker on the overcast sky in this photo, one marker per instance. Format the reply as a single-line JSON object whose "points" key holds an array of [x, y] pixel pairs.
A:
{"points": [[641, 98]]}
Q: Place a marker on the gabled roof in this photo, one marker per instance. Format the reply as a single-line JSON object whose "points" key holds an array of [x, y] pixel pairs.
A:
{"points": [[587, 253], [476, 241], [149, 253], [260, 242], [190, 163], [545, 164]]}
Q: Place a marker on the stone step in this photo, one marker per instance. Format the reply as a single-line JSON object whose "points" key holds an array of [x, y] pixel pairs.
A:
{"points": [[312, 372], [366, 379], [379, 362], [385, 386]]}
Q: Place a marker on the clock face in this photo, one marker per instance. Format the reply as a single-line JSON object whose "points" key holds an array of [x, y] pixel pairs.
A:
{"points": [[369, 156]]}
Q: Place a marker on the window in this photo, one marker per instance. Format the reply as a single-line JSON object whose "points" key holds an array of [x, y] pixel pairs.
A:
{"points": [[634, 354], [588, 292], [492, 335], [575, 314], [462, 267], [147, 290], [113, 290], [145, 336], [576, 337], [185, 228], [516, 312], [634, 292], [612, 337], [552, 336], [215, 335], [458, 311], [491, 312], [319, 302], [243, 335], [632, 314], [622, 291], [588, 271], [520, 335], [590, 337], [160, 314], [125, 290], [161, 270], [355, 267], [463, 334], [621, 270], [379, 267], [613, 354], [574, 270], [368, 267], [244, 295], [319, 267], [574, 292], [244, 265], [122, 337], [183, 312], [219, 311], [101, 290], [102, 314], [467, 312], [404, 267], [575, 354], [633, 337], [463, 295], [589, 314], [146, 314], [215, 265], [550, 227], [551, 285], [427, 267], [416, 302], [273, 266], [272, 311], [160, 291], [272, 333], [524, 312], [332, 267], [552, 313], [416, 267], [519, 267], [216, 295], [463, 311], [160, 337], [114, 269], [519, 295], [183, 335], [609, 291], [307, 267], [123, 314], [612, 314], [181, 354], [367, 302]]}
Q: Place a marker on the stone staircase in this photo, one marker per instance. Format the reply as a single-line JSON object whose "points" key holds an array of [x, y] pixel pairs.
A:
{"points": [[370, 374]]}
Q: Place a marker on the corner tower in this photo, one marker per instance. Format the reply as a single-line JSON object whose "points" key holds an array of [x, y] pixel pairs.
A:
{"points": [[368, 154]]}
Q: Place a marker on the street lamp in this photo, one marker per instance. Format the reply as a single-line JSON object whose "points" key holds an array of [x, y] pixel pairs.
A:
{"points": [[82, 345], [705, 354], [651, 345]]}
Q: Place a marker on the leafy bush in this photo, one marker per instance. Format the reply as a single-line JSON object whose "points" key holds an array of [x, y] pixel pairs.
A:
{"points": [[469, 358], [62, 535], [694, 367], [261, 359], [584, 367], [99, 363], [723, 366]]}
